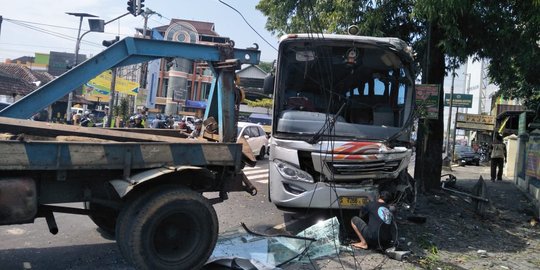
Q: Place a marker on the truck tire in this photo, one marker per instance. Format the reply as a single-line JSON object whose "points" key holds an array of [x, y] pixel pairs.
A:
{"points": [[173, 228], [105, 218]]}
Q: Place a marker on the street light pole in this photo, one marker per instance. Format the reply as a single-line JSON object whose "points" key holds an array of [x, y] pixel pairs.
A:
{"points": [[77, 47], [77, 44]]}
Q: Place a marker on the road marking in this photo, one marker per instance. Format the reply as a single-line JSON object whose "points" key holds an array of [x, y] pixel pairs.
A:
{"points": [[257, 174], [16, 231]]}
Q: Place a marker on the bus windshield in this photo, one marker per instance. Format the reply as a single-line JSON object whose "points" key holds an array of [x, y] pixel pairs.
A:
{"points": [[366, 89]]}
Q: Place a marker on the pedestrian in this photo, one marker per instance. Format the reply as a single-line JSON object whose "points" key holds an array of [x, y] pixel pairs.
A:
{"points": [[378, 231], [105, 118], [76, 119], [197, 131], [498, 158]]}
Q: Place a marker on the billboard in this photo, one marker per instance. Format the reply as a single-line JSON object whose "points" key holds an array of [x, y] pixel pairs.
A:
{"points": [[427, 100], [99, 88]]}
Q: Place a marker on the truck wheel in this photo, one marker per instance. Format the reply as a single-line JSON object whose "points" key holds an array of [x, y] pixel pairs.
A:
{"points": [[105, 217], [174, 228], [262, 153]]}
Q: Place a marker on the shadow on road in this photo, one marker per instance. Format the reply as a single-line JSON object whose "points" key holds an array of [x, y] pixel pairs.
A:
{"points": [[98, 256]]}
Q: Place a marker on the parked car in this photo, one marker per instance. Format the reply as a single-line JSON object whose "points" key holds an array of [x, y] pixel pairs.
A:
{"points": [[466, 155], [255, 136], [98, 114]]}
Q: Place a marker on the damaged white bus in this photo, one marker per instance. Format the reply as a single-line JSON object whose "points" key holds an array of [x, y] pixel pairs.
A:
{"points": [[342, 121]]}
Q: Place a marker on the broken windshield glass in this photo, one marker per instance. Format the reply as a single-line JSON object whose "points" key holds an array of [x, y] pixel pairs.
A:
{"points": [[271, 252]]}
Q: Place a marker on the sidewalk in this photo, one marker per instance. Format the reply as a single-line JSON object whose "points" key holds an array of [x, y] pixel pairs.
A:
{"points": [[454, 237]]}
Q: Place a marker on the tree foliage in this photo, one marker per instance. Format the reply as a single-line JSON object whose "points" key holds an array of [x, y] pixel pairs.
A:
{"points": [[265, 103], [265, 66], [506, 32]]}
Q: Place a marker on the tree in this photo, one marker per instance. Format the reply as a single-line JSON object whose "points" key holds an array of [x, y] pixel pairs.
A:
{"points": [[266, 66], [506, 32], [265, 103]]}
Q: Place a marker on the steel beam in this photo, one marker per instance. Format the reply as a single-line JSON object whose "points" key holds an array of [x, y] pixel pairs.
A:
{"points": [[124, 52]]}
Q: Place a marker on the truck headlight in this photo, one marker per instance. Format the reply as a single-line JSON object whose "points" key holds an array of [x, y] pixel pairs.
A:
{"points": [[291, 172]]}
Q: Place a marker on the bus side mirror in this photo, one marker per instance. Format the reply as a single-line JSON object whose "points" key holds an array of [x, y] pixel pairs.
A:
{"points": [[268, 85]]}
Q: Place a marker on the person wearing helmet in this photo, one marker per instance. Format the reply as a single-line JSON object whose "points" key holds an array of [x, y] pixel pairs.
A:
{"points": [[87, 120], [197, 131], [137, 121]]}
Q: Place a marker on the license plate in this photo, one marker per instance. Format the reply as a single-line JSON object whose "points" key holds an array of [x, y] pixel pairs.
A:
{"points": [[349, 201]]}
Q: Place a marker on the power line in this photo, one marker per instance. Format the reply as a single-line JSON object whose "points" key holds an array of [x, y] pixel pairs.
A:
{"points": [[32, 45], [29, 23], [241, 15], [51, 25], [52, 33]]}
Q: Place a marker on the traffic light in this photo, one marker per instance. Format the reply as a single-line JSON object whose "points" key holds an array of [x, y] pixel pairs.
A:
{"points": [[140, 6], [108, 43], [132, 7]]}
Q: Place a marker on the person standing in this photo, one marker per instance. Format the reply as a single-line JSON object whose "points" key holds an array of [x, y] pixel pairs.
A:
{"points": [[498, 158], [377, 232], [105, 118]]}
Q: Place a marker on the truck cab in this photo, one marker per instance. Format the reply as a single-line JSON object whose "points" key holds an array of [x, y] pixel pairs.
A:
{"points": [[342, 120]]}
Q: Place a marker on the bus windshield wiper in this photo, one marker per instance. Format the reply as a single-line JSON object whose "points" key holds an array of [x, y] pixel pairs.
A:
{"points": [[328, 125]]}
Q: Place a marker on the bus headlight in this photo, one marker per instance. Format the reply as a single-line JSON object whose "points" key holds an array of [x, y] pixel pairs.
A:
{"points": [[291, 172]]}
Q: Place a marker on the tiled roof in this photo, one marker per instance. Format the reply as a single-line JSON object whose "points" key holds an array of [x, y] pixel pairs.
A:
{"points": [[10, 85], [20, 80], [18, 71], [203, 28], [43, 76]]}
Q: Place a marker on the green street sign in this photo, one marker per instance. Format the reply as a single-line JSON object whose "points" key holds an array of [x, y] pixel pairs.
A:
{"points": [[459, 100]]}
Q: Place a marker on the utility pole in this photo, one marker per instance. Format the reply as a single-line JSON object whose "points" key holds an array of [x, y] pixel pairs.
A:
{"points": [[77, 44], [448, 153], [112, 97], [144, 66]]}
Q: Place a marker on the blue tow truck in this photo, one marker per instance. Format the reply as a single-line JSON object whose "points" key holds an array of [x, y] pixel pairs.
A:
{"points": [[145, 189]]}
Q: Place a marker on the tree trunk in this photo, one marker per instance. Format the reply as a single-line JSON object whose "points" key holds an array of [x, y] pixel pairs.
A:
{"points": [[430, 132]]}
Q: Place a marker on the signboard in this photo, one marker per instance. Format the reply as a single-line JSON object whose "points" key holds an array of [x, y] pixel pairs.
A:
{"points": [[459, 100], [522, 128], [474, 126], [427, 99], [99, 88], [198, 104], [475, 121], [179, 94], [533, 158]]}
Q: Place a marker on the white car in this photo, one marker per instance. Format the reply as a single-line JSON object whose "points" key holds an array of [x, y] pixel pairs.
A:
{"points": [[255, 136]]}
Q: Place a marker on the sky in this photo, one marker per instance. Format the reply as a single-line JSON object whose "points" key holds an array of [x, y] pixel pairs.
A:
{"points": [[31, 26]]}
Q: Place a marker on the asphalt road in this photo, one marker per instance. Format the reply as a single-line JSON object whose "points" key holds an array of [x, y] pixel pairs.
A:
{"points": [[79, 245]]}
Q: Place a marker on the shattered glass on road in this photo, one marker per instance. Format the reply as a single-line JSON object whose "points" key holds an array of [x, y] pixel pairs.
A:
{"points": [[270, 252]]}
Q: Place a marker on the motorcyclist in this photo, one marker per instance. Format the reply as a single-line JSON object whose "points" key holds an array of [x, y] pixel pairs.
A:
{"points": [[158, 122], [197, 131], [87, 120], [137, 121]]}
